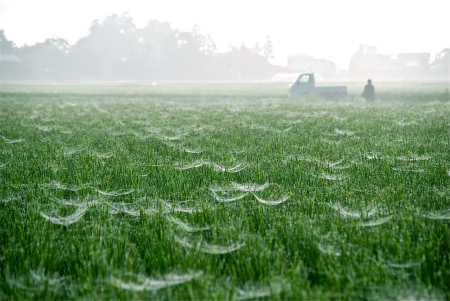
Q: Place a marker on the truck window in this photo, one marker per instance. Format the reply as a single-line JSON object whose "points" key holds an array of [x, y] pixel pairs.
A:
{"points": [[304, 79]]}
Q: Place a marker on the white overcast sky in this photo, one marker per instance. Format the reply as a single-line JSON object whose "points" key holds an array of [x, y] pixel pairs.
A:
{"points": [[327, 29]]}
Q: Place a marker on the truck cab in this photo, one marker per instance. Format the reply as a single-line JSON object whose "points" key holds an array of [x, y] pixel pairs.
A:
{"points": [[304, 84]]}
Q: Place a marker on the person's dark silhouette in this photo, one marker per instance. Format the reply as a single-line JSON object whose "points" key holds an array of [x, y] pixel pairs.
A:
{"points": [[369, 91]]}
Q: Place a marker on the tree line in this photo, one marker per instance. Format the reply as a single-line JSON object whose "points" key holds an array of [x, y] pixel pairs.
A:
{"points": [[115, 49]]}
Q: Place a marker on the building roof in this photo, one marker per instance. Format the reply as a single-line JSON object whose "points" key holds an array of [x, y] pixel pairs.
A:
{"points": [[9, 58], [416, 55]]}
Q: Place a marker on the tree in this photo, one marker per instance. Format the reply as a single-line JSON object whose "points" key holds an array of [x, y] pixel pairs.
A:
{"points": [[360, 59], [47, 60], [205, 44], [268, 49], [192, 58], [246, 63], [441, 63], [115, 40], [87, 62], [6, 46]]}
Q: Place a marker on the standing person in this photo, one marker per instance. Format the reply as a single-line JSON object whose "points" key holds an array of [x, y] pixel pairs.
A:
{"points": [[369, 91]]}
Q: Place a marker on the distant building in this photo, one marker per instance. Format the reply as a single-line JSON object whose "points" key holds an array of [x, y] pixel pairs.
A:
{"points": [[8, 66], [308, 64], [9, 58], [414, 64], [403, 65]]}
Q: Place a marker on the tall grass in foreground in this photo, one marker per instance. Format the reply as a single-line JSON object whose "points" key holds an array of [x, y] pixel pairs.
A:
{"points": [[223, 192]]}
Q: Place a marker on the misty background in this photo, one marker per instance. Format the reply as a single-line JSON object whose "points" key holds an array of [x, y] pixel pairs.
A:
{"points": [[115, 48]]}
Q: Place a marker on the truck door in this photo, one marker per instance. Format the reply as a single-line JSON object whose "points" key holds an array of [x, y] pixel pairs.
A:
{"points": [[306, 83]]}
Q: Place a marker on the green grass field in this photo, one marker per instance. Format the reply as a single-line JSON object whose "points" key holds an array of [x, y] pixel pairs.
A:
{"points": [[196, 191]]}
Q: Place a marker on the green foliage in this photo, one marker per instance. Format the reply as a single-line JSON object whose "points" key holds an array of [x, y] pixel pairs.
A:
{"points": [[225, 191]]}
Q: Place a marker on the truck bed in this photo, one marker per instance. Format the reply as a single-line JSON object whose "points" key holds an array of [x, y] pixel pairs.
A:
{"points": [[334, 89]]}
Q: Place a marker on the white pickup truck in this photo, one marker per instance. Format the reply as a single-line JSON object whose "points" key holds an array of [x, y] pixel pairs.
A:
{"points": [[305, 85]]}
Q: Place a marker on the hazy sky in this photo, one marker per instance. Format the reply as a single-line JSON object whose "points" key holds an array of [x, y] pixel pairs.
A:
{"points": [[327, 29]]}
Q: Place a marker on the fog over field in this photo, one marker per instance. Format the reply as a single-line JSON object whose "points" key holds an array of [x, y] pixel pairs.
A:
{"points": [[286, 37]]}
